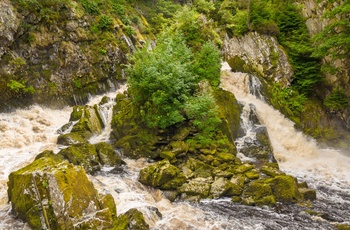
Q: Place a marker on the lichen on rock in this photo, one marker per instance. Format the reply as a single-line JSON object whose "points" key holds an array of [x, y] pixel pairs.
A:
{"points": [[46, 194]]}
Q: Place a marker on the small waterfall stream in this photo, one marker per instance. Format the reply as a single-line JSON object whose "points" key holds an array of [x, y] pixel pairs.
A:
{"points": [[26, 133]]}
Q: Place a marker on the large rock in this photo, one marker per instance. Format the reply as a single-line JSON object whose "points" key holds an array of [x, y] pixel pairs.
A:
{"points": [[258, 54], [88, 122], [53, 194], [130, 133], [132, 219], [91, 157], [197, 187], [162, 175]]}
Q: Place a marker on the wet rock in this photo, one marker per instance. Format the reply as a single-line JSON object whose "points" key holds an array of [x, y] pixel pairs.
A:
{"points": [[46, 194], [285, 189], [9, 24], [259, 54], [223, 187], [130, 133], [106, 154], [163, 175], [91, 157], [132, 219], [196, 187], [88, 123], [307, 193], [258, 193]]}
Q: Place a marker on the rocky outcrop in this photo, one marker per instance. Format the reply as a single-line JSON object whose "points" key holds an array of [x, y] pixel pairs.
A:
{"points": [[53, 194], [260, 55], [9, 23], [85, 121], [59, 52]]}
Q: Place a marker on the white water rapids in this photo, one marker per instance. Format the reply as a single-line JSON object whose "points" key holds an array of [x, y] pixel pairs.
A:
{"points": [[25, 133]]}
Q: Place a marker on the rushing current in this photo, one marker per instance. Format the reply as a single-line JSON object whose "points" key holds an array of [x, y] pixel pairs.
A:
{"points": [[25, 133]]}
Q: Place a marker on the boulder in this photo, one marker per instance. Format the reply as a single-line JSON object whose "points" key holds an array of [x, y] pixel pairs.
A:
{"points": [[46, 194], [196, 187], [91, 157], [222, 187], [285, 188], [130, 133], [258, 193], [132, 219], [88, 122], [162, 175], [107, 156]]}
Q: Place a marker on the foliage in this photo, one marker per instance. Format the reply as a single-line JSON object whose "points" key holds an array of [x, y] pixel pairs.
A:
{"points": [[337, 100], [19, 87], [48, 10], [160, 81], [287, 100], [202, 109], [334, 40], [90, 7], [105, 23], [294, 37], [207, 64]]}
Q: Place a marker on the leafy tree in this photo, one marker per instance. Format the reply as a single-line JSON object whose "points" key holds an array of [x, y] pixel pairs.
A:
{"points": [[207, 64], [160, 80]]}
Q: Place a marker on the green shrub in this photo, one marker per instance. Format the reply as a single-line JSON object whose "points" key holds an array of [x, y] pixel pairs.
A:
{"points": [[90, 7], [160, 81], [105, 23], [19, 87], [337, 100]]}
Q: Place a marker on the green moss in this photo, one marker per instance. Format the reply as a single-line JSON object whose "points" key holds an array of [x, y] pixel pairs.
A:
{"points": [[285, 189], [237, 64], [258, 193], [82, 154], [132, 219], [162, 175]]}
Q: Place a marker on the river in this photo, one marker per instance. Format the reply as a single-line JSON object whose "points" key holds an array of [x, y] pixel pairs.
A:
{"points": [[26, 132]]}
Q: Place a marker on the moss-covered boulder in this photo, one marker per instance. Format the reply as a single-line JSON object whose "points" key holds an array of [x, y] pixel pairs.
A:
{"points": [[130, 133], [87, 122], [132, 219], [197, 187], [106, 154], [54, 194], [229, 110], [258, 193], [285, 188], [162, 175], [91, 157], [223, 187]]}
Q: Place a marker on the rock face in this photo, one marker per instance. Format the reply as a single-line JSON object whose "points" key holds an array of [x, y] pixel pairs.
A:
{"points": [[258, 54], [59, 52], [9, 23], [52, 194]]}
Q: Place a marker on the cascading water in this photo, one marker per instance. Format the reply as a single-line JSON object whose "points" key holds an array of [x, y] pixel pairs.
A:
{"points": [[25, 133]]}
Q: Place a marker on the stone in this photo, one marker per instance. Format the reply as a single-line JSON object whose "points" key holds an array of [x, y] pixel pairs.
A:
{"points": [[223, 187], [196, 187], [258, 193], [307, 193], [46, 195], [132, 219], [107, 156], [84, 155], [225, 157], [285, 188], [258, 54], [162, 175]]}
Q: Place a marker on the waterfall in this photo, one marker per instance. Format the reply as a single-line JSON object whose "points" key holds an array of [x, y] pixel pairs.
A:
{"points": [[25, 133]]}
